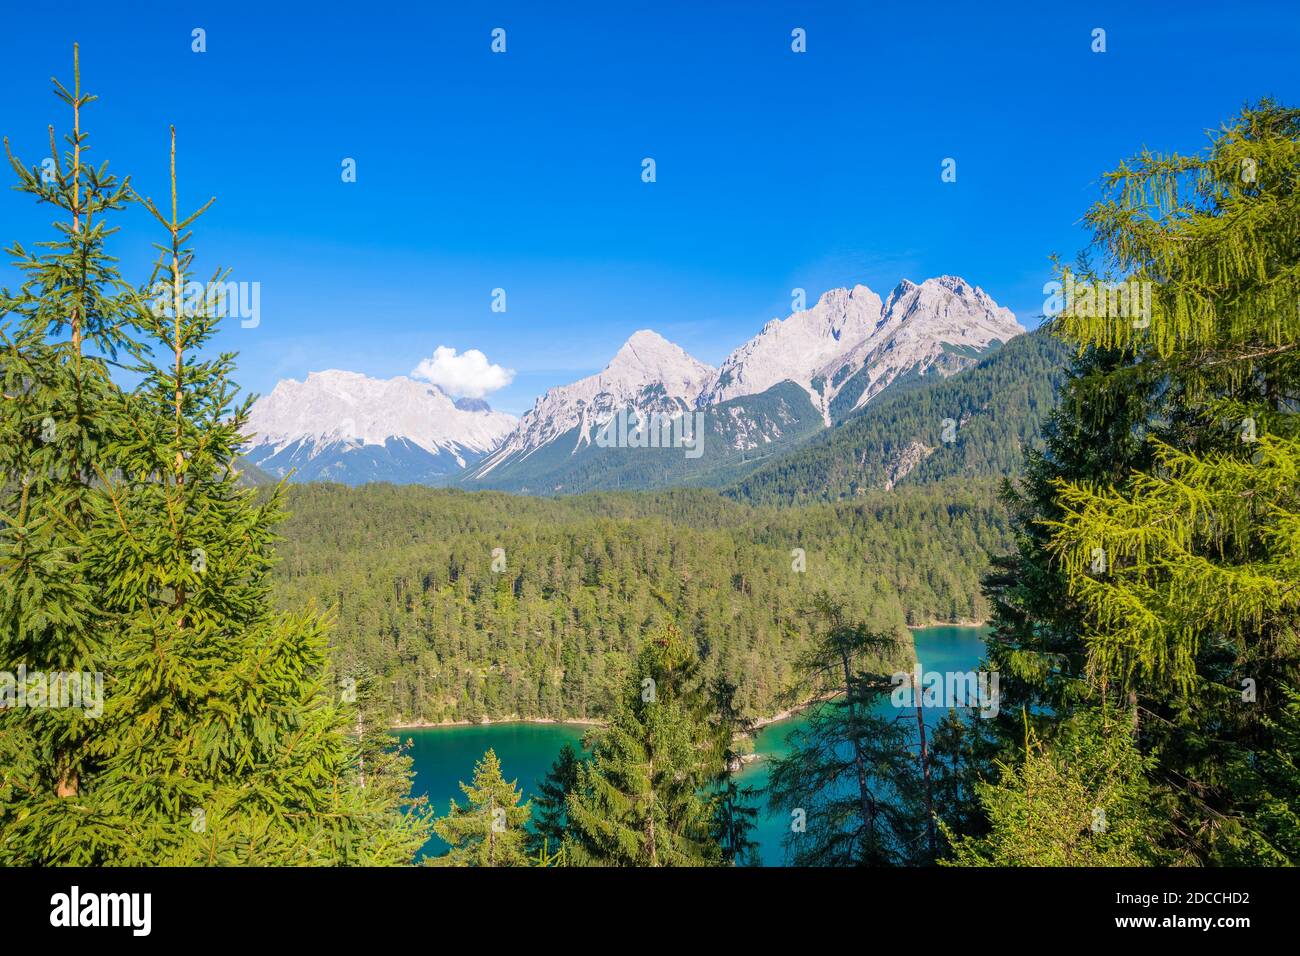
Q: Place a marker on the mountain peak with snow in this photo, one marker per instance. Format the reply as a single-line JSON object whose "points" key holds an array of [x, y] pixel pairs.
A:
{"points": [[842, 352], [648, 375], [852, 342], [794, 348], [647, 357], [340, 424]]}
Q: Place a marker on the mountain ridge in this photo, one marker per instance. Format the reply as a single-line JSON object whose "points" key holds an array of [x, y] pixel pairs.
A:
{"points": [[841, 354], [346, 426], [853, 338], [647, 373]]}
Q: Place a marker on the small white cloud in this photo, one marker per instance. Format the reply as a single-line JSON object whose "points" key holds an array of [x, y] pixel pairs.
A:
{"points": [[468, 375]]}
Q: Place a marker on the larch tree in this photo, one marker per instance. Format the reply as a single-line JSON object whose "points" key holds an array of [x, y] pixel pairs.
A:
{"points": [[1185, 568], [1082, 801]]}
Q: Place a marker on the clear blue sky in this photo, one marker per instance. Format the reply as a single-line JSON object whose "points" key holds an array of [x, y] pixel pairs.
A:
{"points": [[523, 170]]}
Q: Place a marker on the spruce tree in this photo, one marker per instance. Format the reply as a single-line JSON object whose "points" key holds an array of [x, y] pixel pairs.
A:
{"points": [[735, 815], [490, 829], [1035, 641], [1274, 782], [550, 816], [382, 761], [221, 714], [852, 789], [60, 333], [641, 799], [131, 550], [1095, 434]]}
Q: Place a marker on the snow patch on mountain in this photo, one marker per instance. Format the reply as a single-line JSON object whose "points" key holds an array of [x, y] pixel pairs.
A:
{"points": [[797, 347], [648, 374], [334, 409], [850, 335]]}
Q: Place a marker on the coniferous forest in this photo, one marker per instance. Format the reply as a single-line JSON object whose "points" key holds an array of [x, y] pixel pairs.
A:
{"points": [[1123, 513], [485, 605]]}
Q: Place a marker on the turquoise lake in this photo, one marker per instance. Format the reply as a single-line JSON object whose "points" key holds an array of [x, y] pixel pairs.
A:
{"points": [[445, 755]]}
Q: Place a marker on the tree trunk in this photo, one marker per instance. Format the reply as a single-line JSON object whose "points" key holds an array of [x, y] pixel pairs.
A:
{"points": [[651, 848], [865, 803], [925, 773]]}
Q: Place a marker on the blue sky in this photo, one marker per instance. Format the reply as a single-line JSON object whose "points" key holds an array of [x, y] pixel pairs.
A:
{"points": [[522, 170]]}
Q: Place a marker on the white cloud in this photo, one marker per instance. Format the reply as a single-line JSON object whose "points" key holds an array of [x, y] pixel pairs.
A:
{"points": [[468, 375]]}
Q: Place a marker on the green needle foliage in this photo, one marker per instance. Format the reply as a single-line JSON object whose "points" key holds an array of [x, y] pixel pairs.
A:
{"points": [[131, 550], [1035, 641], [1192, 611], [735, 814], [852, 789], [551, 818], [1084, 801], [641, 799], [490, 829], [1200, 548], [379, 763], [409, 571], [1276, 775], [1157, 545], [59, 416]]}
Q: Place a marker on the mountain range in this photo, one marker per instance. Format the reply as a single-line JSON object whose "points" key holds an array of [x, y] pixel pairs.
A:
{"points": [[653, 416], [347, 427]]}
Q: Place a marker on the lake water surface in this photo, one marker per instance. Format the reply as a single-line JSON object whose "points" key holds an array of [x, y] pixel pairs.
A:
{"points": [[445, 755]]}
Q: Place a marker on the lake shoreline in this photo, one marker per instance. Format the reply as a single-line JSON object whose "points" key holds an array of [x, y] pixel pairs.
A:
{"points": [[790, 712], [759, 723], [487, 721]]}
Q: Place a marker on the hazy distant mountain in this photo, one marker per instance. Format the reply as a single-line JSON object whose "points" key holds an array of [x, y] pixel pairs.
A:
{"points": [[346, 427]]}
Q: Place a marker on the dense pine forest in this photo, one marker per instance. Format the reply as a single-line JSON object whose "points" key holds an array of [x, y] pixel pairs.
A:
{"points": [[488, 605]]}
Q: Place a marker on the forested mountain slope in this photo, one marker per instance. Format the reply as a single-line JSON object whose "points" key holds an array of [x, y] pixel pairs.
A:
{"points": [[735, 436], [409, 573], [977, 423]]}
